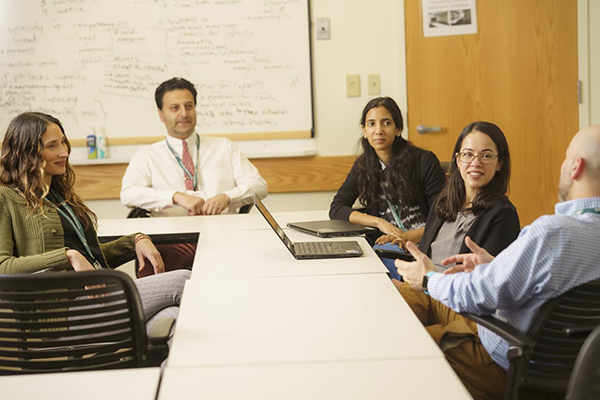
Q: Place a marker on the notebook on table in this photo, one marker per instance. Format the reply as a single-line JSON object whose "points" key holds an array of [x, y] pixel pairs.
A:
{"points": [[309, 250], [330, 228]]}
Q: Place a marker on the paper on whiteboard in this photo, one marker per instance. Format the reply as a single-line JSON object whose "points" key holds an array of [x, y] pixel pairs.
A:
{"points": [[449, 17]]}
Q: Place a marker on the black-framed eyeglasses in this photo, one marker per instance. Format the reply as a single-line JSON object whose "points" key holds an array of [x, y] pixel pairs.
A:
{"points": [[467, 157]]}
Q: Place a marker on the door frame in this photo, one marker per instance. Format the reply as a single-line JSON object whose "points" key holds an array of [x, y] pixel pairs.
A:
{"points": [[583, 44]]}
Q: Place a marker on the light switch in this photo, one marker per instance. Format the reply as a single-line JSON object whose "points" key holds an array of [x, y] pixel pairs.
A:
{"points": [[353, 85], [323, 29], [374, 84]]}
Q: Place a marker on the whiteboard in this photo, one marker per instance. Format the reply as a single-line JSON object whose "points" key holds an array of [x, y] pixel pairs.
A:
{"points": [[96, 63]]}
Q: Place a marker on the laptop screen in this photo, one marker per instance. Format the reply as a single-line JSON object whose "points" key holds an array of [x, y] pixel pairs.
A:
{"points": [[271, 221]]}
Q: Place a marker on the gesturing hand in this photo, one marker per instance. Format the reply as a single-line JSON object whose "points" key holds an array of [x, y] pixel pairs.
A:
{"points": [[467, 262], [413, 272], [145, 249]]}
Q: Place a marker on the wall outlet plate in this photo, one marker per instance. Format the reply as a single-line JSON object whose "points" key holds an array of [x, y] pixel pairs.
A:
{"points": [[323, 29], [374, 84], [353, 85]]}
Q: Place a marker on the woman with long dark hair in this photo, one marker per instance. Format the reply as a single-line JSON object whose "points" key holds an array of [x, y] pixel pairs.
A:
{"points": [[473, 203], [44, 224], [396, 182]]}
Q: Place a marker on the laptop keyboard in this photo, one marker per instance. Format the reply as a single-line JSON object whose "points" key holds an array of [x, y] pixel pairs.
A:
{"points": [[302, 248]]}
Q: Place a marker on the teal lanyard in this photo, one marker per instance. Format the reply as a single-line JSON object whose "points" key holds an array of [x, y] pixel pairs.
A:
{"points": [[74, 222], [587, 211], [188, 173], [393, 210]]}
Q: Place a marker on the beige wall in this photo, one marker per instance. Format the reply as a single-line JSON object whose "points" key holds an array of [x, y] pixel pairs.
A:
{"points": [[367, 37]]}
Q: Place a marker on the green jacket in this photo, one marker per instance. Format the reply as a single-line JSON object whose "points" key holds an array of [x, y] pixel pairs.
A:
{"points": [[33, 242]]}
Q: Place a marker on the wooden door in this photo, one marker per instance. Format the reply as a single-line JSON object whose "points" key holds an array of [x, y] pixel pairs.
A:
{"points": [[519, 71]]}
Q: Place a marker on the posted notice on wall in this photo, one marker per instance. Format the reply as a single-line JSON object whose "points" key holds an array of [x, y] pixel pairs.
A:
{"points": [[449, 17]]}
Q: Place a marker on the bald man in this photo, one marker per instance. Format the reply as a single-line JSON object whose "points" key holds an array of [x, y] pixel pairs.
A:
{"points": [[552, 255]]}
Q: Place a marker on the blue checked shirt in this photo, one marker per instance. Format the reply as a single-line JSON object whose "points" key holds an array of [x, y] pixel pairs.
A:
{"points": [[552, 255]]}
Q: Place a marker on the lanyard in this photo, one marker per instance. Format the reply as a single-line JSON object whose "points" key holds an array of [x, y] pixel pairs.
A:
{"points": [[587, 211], [74, 222], [393, 210], [188, 173]]}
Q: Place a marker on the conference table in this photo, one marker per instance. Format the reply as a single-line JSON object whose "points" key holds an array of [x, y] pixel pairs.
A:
{"points": [[256, 323], [132, 383]]}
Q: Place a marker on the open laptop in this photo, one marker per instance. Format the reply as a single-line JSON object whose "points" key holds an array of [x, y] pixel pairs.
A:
{"points": [[330, 228], [310, 250]]}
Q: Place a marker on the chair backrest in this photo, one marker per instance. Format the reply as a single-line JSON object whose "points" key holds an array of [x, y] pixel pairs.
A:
{"points": [[70, 321], [137, 212], [554, 330], [246, 209], [585, 379]]}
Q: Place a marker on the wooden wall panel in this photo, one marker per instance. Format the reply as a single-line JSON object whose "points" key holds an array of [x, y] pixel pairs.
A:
{"points": [[519, 71], [301, 174]]}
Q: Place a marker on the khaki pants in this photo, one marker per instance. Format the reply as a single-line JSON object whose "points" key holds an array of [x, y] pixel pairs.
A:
{"points": [[457, 337]]}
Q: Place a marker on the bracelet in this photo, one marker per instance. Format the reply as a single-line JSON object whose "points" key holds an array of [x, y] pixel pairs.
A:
{"points": [[141, 236]]}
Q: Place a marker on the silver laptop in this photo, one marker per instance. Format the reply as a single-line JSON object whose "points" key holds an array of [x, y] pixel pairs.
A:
{"points": [[330, 228], [310, 250]]}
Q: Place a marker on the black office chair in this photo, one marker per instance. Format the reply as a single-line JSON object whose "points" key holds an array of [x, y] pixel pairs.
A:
{"points": [[245, 209], [74, 321], [542, 359], [585, 379], [137, 212]]}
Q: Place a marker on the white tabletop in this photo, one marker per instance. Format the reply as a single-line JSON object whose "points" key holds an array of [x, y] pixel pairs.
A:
{"points": [[260, 253], [204, 223], [373, 379], [116, 384], [300, 319]]}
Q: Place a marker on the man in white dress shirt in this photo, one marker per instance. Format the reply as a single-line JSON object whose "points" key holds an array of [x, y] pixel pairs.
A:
{"points": [[210, 177]]}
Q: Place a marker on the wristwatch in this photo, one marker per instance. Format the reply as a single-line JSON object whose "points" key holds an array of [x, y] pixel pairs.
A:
{"points": [[426, 281]]}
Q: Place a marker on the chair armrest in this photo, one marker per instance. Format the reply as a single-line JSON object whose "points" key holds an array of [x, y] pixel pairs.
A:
{"points": [[137, 212], [509, 333], [246, 208], [161, 331], [578, 331]]}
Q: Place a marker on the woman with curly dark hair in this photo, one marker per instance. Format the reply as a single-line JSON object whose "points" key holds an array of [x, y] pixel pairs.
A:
{"points": [[45, 226], [396, 182]]}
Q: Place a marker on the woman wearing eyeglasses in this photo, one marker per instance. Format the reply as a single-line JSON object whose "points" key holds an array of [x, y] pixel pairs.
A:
{"points": [[473, 202]]}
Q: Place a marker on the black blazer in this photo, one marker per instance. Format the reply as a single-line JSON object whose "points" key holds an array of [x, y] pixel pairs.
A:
{"points": [[430, 181], [494, 229]]}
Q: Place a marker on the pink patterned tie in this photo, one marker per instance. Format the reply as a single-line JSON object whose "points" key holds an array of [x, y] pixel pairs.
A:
{"points": [[188, 163]]}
